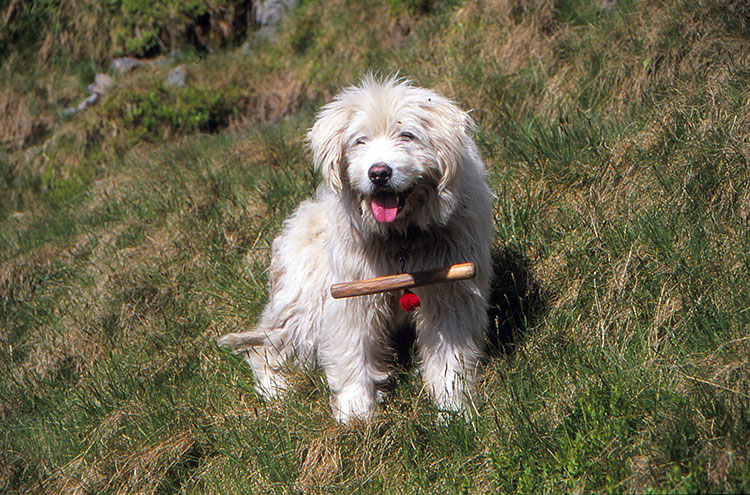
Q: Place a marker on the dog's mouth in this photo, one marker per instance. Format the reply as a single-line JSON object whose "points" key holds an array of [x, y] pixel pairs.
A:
{"points": [[386, 205]]}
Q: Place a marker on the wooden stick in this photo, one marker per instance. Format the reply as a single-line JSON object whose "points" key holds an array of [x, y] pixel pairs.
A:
{"points": [[462, 271]]}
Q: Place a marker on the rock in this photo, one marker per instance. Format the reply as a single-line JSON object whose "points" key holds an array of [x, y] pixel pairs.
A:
{"points": [[124, 65], [102, 84], [270, 13], [93, 98], [178, 77], [90, 100]]}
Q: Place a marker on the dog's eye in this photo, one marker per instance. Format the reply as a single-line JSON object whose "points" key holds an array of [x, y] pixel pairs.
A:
{"points": [[360, 140], [407, 136]]}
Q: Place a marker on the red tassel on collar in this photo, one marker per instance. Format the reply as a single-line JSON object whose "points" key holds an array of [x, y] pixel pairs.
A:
{"points": [[410, 301]]}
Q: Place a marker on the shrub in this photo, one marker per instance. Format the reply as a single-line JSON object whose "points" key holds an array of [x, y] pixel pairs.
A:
{"points": [[101, 30], [161, 111], [145, 45]]}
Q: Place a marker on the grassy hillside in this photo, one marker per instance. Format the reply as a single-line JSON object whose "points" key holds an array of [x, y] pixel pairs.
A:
{"points": [[617, 135]]}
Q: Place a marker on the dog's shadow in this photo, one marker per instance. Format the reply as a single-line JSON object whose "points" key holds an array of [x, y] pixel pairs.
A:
{"points": [[517, 301]]}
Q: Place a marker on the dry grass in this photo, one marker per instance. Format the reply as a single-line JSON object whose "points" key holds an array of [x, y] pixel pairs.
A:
{"points": [[20, 127]]}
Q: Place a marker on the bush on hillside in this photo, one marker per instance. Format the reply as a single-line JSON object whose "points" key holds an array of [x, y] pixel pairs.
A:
{"points": [[161, 112], [101, 30]]}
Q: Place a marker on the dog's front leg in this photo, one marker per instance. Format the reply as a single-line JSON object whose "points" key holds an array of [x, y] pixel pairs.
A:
{"points": [[450, 330], [346, 353]]}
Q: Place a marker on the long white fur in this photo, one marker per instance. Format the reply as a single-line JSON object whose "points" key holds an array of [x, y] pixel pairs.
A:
{"points": [[334, 238]]}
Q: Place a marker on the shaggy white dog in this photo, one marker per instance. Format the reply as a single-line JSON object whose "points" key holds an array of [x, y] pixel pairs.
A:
{"points": [[402, 182]]}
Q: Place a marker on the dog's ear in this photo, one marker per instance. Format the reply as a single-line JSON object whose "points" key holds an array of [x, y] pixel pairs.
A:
{"points": [[326, 140], [450, 130]]}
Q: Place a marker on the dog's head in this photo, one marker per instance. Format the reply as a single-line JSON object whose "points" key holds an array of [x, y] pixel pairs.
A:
{"points": [[394, 151]]}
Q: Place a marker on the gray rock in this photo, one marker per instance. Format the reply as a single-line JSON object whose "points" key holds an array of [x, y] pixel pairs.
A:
{"points": [[90, 100], [178, 77], [270, 13], [102, 84], [124, 65], [93, 98]]}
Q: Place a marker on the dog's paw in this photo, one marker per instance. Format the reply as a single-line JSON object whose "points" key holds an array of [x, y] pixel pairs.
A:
{"points": [[270, 384], [462, 414], [353, 404]]}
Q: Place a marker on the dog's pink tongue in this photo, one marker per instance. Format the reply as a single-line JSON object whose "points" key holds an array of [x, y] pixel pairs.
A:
{"points": [[385, 207]]}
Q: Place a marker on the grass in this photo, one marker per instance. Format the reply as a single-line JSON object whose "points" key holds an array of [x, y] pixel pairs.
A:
{"points": [[616, 142]]}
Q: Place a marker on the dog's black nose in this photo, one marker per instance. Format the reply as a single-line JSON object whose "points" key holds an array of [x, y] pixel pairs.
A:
{"points": [[379, 174]]}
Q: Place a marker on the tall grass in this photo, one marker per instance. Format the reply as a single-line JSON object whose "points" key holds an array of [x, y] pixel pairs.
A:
{"points": [[617, 144]]}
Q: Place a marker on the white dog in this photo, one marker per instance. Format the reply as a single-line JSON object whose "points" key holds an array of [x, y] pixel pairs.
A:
{"points": [[403, 184]]}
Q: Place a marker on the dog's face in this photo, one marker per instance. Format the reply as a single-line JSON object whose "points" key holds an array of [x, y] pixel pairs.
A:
{"points": [[394, 151]]}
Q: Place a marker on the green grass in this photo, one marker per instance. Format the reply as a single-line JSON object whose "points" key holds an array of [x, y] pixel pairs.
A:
{"points": [[616, 143]]}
